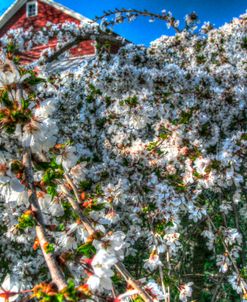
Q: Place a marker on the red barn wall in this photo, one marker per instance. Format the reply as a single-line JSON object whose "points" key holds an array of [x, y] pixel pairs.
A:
{"points": [[46, 13]]}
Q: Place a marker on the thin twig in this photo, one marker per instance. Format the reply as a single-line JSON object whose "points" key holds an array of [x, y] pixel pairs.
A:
{"points": [[216, 291], [162, 283], [229, 255]]}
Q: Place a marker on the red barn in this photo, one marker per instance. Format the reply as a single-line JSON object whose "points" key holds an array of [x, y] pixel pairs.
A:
{"points": [[36, 13]]}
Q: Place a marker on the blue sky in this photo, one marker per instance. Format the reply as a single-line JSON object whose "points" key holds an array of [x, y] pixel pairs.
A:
{"points": [[141, 31]]}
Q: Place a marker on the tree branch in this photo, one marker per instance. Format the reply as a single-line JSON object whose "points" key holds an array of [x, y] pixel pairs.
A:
{"points": [[119, 266], [55, 271], [101, 37], [167, 17]]}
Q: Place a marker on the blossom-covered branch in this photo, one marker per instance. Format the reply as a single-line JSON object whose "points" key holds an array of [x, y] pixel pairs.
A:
{"points": [[120, 15]]}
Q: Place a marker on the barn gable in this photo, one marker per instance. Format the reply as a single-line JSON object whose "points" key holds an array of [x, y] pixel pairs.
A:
{"points": [[36, 13], [48, 10]]}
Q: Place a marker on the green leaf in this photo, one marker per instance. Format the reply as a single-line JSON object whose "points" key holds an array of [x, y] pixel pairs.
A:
{"points": [[87, 250], [101, 122], [26, 221], [50, 248], [52, 190], [244, 137], [60, 297], [11, 47], [164, 133], [138, 299], [71, 284], [98, 189], [33, 79], [85, 185], [151, 146], [5, 100], [24, 104], [54, 164], [51, 174], [131, 101], [98, 207], [244, 43], [61, 227]]}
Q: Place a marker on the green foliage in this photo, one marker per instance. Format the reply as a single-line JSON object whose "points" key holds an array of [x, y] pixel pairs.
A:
{"points": [[131, 102], [26, 221], [205, 130], [43, 297], [68, 212], [16, 60], [93, 205], [104, 174], [10, 129], [194, 153], [21, 116], [4, 99], [244, 43], [199, 45], [152, 146], [244, 136], [85, 185], [159, 228], [24, 104], [13, 114], [52, 190], [16, 166], [87, 249], [138, 299], [11, 48], [70, 292], [176, 181], [243, 273], [33, 79], [214, 165], [53, 172], [165, 96], [101, 122], [200, 59], [94, 93], [198, 175], [108, 101], [184, 118], [164, 133], [98, 189], [149, 208], [49, 248], [61, 227]]}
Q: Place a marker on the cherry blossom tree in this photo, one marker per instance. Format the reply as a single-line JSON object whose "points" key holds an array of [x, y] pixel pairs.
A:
{"points": [[124, 178]]}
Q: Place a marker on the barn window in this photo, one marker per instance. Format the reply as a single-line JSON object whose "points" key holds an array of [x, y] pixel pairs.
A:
{"points": [[32, 9]]}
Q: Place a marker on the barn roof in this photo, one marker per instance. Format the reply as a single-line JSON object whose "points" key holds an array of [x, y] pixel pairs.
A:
{"points": [[10, 12]]}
